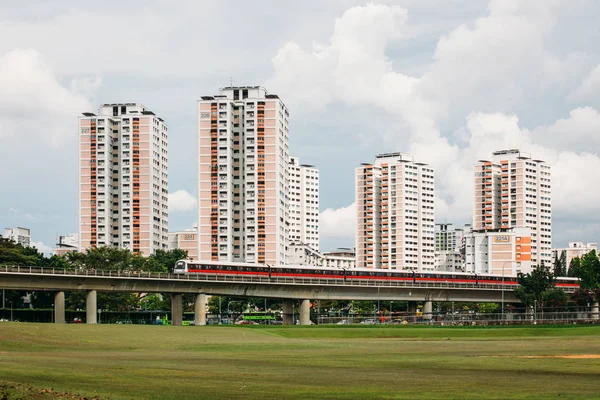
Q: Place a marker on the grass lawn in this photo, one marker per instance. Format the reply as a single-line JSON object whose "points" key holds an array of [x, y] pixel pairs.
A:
{"points": [[261, 362]]}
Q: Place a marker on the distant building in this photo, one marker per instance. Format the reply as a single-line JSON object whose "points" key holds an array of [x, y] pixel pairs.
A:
{"points": [[449, 247], [304, 203], [185, 240], [66, 244], [303, 254], [575, 249], [20, 236], [342, 258]]}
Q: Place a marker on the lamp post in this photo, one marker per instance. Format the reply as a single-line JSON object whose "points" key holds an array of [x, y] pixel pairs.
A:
{"points": [[220, 314], [391, 309], [503, 265], [11, 314]]}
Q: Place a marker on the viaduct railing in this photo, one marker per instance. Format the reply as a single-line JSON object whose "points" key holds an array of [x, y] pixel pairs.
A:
{"points": [[260, 279]]}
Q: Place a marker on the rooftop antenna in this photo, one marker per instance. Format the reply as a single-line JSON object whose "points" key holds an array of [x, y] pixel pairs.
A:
{"points": [[231, 81]]}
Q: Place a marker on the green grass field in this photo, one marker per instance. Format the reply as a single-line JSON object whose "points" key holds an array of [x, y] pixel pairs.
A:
{"points": [[261, 362]]}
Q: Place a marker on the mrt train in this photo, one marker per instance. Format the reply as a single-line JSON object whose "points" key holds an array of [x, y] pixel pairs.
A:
{"points": [[347, 274]]}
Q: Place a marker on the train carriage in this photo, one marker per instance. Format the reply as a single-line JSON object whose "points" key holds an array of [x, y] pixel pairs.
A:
{"points": [[344, 274]]}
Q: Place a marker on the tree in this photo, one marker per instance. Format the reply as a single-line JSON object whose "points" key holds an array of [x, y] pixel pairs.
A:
{"points": [[556, 298], [563, 263], [534, 285], [575, 267], [105, 258], [58, 262], [13, 254], [589, 271], [164, 261], [153, 301], [560, 264], [583, 297]]}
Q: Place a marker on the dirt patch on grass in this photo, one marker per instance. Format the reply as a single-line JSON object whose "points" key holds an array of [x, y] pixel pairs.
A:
{"points": [[21, 392], [572, 356]]}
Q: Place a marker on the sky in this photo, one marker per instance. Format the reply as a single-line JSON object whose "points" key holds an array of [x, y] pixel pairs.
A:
{"points": [[449, 82]]}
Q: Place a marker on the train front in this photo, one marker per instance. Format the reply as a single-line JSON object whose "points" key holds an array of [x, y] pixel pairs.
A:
{"points": [[180, 267]]}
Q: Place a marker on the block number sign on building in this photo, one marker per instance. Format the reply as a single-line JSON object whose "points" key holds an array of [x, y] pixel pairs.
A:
{"points": [[501, 239]]}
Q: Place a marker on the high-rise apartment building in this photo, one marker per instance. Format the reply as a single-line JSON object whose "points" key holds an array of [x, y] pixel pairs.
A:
{"points": [[304, 203], [243, 176], [514, 191], [395, 214], [447, 237], [123, 179]]}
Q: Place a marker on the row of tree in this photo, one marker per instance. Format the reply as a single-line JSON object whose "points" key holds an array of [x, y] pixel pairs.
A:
{"points": [[99, 259], [539, 287]]}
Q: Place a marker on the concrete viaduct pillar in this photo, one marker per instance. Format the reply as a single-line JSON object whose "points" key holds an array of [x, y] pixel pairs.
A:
{"points": [[304, 312], [412, 310], [427, 309], [288, 312], [91, 308], [200, 310], [59, 307], [176, 309]]}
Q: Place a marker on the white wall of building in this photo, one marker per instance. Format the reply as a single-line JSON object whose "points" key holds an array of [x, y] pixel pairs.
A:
{"points": [[18, 235]]}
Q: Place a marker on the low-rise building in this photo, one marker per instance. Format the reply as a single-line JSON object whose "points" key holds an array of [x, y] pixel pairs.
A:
{"points": [[66, 244], [303, 254], [342, 258], [498, 252], [449, 261], [18, 235], [185, 240], [575, 249], [450, 247]]}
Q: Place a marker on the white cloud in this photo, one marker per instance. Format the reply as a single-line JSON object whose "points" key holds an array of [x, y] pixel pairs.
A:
{"points": [[340, 223], [33, 104], [487, 70], [42, 248], [581, 130], [589, 88], [181, 200]]}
